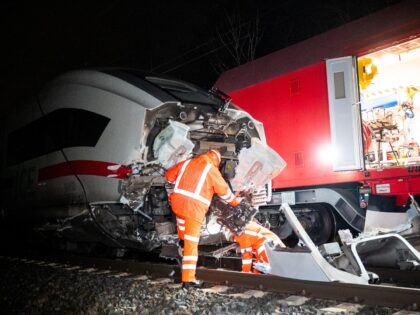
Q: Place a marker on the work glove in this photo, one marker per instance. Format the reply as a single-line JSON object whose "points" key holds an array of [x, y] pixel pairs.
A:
{"points": [[262, 267]]}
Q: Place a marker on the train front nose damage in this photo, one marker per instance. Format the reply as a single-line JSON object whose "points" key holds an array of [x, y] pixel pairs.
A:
{"points": [[141, 218], [94, 146]]}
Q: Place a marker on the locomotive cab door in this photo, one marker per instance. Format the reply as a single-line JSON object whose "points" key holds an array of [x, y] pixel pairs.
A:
{"points": [[344, 109]]}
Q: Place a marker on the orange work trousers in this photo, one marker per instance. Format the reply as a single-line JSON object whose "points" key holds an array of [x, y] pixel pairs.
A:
{"points": [[262, 257], [189, 232], [247, 260]]}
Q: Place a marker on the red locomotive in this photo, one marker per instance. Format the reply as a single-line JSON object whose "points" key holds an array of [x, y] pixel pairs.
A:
{"points": [[343, 109]]}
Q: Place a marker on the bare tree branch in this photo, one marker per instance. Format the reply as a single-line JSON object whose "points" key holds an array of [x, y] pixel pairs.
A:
{"points": [[240, 42]]}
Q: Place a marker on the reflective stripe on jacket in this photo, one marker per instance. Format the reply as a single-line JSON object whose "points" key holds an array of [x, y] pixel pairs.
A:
{"points": [[196, 181]]}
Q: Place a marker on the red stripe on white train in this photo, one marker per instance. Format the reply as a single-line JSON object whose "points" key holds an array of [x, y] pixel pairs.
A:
{"points": [[84, 167]]}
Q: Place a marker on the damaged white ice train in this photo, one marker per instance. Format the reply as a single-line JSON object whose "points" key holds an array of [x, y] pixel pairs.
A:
{"points": [[85, 159]]}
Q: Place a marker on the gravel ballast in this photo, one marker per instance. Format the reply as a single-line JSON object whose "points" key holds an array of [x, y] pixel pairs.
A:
{"points": [[33, 288]]}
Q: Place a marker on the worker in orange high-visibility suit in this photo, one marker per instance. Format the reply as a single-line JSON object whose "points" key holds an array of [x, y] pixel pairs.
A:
{"points": [[195, 180], [251, 241]]}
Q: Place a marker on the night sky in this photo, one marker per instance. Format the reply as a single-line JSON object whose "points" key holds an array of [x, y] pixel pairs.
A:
{"points": [[176, 38]]}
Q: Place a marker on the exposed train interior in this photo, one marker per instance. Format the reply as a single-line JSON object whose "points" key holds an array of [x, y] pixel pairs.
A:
{"points": [[389, 84]]}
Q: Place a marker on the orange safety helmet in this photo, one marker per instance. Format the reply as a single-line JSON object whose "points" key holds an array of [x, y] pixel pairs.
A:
{"points": [[215, 157]]}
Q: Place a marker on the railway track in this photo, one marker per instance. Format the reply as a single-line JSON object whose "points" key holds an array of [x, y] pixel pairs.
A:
{"points": [[378, 295]]}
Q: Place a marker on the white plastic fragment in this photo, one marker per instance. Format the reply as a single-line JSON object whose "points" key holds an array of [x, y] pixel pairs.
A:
{"points": [[161, 281], [143, 277], [120, 274], [258, 164], [343, 308], [216, 289], [249, 294], [294, 300], [172, 144], [88, 270], [72, 268], [103, 272]]}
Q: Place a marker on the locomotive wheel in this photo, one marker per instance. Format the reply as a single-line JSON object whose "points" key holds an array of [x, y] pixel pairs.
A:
{"points": [[318, 221]]}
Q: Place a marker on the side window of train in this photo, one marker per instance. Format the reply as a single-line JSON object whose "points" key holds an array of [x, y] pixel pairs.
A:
{"points": [[62, 128]]}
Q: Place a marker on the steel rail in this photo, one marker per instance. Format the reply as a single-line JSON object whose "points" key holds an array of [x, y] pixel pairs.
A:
{"points": [[407, 298]]}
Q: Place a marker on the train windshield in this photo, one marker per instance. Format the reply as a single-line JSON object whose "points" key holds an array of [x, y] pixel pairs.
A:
{"points": [[185, 92]]}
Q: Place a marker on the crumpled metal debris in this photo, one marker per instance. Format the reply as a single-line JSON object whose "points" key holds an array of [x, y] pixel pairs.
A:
{"points": [[234, 218]]}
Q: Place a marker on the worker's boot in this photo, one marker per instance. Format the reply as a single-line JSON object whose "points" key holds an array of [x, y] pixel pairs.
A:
{"points": [[192, 284]]}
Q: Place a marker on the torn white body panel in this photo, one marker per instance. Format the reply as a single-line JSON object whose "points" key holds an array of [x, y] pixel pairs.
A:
{"points": [[386, 251], [308, 264], [385, 222], [350, 264]]}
